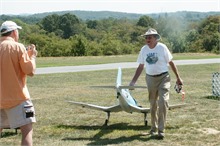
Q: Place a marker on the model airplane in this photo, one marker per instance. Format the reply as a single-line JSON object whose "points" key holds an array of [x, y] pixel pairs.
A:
{"points": [[125, 101]]}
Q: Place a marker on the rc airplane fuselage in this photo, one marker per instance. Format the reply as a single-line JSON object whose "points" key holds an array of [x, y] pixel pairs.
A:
{"points": [[125, 101]]}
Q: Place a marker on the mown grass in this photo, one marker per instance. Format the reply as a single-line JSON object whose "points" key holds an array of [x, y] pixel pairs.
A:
{"points": [[89, 60], [62, 124]]}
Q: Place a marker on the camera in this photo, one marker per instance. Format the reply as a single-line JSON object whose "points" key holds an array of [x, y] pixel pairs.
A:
{"points": [[178, 88]]}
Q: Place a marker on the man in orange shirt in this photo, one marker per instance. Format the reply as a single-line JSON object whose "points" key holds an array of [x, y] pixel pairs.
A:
{"points": [[16, 108]]}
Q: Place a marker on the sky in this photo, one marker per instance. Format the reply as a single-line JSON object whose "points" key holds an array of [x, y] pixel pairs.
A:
{"points": [[18, 7]]}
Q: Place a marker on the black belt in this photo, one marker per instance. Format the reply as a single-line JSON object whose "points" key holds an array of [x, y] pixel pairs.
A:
{"points": [[158, 74]]}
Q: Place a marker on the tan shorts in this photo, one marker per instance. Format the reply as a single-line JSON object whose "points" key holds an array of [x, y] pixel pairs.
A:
{"points": [[17, 116]]}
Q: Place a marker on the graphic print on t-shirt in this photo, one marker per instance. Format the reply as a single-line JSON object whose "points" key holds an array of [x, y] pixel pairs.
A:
{"points": [[151, 58]]}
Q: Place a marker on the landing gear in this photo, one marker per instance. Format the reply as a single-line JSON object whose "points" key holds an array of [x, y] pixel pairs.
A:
{"points": [[145, 123], [145, 119], [107, 119], [108, 116]]}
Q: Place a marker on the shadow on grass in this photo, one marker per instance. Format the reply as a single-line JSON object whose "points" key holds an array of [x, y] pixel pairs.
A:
{"points": [[120, 126], [7, 134], [213, 97], [98, 139]]}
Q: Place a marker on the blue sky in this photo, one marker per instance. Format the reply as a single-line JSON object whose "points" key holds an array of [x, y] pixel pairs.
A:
{"points": [[129, 6]]}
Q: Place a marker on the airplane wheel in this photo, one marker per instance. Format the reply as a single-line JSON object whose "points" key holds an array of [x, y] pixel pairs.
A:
{"points": [[106, 123], [145, 123]]}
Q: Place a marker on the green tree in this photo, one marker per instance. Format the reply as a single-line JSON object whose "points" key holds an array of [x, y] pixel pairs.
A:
{"points": [[146, 21], [177, 43], [94, 49], [208, 34], [68, 24], [79, 45], [64, 26], [193, 41], [50, 23], [110, 45], [92, 24]]}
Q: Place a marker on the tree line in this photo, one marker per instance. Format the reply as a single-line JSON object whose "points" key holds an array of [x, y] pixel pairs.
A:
{"points": [[68, 35]]}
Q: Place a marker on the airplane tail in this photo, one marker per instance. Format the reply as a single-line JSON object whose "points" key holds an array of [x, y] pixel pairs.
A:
{"points": [[119, 76], [119, 83]]}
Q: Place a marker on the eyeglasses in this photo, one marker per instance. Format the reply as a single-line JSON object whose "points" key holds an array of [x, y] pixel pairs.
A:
{"points": [[148, 37]]}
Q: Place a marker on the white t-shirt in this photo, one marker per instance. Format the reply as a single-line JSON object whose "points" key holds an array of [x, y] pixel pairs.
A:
{"points": [[156, 60]]}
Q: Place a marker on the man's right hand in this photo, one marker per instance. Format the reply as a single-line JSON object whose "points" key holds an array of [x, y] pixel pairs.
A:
{"points": [[32, 52]]}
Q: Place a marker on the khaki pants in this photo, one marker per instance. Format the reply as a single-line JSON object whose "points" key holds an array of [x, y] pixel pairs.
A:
{"points": [[158, 88]]}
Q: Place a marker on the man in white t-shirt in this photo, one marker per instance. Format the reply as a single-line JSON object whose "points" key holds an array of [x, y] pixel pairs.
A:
{"points": [[156, 58]]}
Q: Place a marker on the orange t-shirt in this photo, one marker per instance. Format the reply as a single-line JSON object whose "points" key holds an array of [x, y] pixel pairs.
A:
{"points": [[15, 65]]}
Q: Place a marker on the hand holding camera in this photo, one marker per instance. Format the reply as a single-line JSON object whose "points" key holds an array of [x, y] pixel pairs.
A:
{"points": [[32, 52]]}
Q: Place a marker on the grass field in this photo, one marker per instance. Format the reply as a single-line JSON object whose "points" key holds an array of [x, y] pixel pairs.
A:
{"points": [[62, 124]]}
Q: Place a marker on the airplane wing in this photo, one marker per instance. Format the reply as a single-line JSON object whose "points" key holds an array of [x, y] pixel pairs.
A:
{"points": [[115, 108], [112, 87], [121, 87], [139, 109], [146, 110], [131, 87]]}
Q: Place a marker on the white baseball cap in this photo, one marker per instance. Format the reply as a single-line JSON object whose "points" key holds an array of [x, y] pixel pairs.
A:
{"points": [[152, 31], [8, 26]]}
